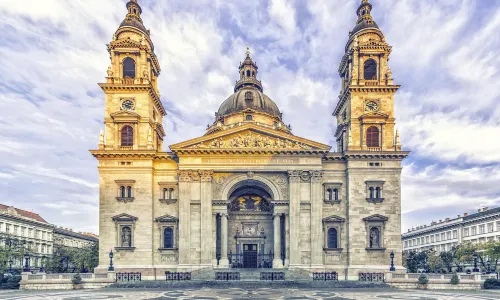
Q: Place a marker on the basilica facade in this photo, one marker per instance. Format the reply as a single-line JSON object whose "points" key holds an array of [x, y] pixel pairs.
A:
{"points": [[248, 193]]}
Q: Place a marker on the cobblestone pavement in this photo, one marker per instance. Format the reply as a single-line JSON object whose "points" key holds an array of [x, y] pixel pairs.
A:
{"points": [[236, 293]]}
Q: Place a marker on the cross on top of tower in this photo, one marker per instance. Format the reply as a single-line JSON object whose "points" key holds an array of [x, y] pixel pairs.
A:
{"points": [[133, 18]]}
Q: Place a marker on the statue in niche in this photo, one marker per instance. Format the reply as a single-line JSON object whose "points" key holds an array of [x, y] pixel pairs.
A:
{"points": [[126, 237], [110, 71], [374, 237]]}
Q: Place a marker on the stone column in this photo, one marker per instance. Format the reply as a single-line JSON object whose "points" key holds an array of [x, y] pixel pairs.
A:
{"points": [[287, 240], [224, 262], [184, 217], [277, 263], [206, 216], [294, 181], [316, 220]]}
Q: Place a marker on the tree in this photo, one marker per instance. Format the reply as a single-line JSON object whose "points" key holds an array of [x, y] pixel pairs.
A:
{"points": [[463, 254], [491, 250], [68, 259], [434, 261], [446, 258]]}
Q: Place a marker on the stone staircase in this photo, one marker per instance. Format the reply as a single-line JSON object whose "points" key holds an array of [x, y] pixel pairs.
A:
{"points": [[251, 274]]}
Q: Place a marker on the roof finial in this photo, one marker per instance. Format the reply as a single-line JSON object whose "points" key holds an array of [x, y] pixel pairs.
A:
{"points": [[364, 1], [248, 51]]}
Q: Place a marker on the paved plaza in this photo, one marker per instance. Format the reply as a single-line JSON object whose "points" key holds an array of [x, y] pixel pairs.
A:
{"points": [[237, 293]]}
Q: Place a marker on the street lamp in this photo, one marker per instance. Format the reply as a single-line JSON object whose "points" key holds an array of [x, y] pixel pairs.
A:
{"points": [[26, 262], [488, 265], [111, 268], [474, 256], [10, 265], [392, 269]]}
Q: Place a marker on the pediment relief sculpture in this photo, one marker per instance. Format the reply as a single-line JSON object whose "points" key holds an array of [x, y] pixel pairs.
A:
{"points": [[252, 140]]}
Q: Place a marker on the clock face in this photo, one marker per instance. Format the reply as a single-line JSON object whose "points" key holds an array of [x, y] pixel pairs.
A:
{"points": [[371, 106], [128, 105]]}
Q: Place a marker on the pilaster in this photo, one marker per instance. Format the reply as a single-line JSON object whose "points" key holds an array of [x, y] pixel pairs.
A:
{"points": [[184, 217], [316, 219], [277, 262], [294, 220], [206, 216]]}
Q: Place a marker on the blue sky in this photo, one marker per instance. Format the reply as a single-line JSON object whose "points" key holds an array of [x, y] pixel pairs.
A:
{"points": [[445, 56]]}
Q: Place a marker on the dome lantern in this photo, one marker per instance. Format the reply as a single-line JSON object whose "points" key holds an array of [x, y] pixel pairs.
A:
{"points": [[133, 18], [365, 19], [248, 74]]}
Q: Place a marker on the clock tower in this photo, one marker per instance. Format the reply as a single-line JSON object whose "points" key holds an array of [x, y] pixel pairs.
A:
{"points": [[133, 110], [365, 110]]}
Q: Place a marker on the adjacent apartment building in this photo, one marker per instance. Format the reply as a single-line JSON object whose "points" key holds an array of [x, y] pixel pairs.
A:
{"points": [[21, 229], [441, 236]]}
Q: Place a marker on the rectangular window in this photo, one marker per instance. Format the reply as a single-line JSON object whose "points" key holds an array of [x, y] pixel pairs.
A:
{"points": [[432, 238], [437, 238], [422, 240], [481, 229], [406, 244], [442, 236], [455, 234], [7, 228], [490, 227], [448, 235], [498, 226], [473, 230], [23, 231], [427, 239], [466, 231], [16, 229]]}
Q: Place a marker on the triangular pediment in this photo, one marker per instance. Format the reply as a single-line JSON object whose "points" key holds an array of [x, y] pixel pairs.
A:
{"points": [[333, 219], [167, 219], [376, 217], [124, 218], [251, 137], [125, 116], [374, 115], [125, 43]]}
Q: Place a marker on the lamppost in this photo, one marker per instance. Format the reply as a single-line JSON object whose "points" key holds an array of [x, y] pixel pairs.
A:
{"points": [[488, 265], [392, 269], [26, 262], [41, 264], [111, 268], [10, 265], [474, 256]]}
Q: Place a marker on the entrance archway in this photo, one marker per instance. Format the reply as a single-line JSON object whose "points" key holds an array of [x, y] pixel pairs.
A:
{"points": [[250, 225]]}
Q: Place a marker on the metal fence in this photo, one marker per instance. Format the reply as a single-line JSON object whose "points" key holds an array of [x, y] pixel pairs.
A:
{"points": [[128, 277], [272, 276], [227, 276], [371, 277], [326, 276], [260, 261], [177, 276]]}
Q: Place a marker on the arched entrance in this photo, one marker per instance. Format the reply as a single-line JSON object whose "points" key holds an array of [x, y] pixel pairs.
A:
{"points": [[250, 225]]}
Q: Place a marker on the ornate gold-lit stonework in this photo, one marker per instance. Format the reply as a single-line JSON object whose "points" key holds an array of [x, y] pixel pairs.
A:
{"points": [[250, 140]]}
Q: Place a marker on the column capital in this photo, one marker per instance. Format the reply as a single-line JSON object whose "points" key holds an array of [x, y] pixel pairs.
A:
{"points": [[184, 175], [206, 175], [294, 176], [316, 176]]}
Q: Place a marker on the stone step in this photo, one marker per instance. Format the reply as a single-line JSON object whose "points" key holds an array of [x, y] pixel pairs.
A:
{"points": [[252, 274]]}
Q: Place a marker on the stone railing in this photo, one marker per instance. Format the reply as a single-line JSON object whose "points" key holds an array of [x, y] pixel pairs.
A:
{"points": [[62, 281], [437, 281]]}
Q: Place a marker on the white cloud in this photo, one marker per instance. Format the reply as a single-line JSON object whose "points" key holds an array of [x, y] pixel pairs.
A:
{"points": [[54, 54]]}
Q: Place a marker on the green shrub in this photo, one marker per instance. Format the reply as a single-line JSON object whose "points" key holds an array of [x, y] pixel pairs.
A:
{"points": [[492, 284], [422, 279], [77, 279], [454, 279], [11, 283]]}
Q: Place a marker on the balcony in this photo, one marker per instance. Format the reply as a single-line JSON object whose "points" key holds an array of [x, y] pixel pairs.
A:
{"points": [[374, 149], [372, 82]]}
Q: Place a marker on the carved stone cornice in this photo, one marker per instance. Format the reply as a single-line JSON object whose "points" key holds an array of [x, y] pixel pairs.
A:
{"points": [[294, 176], [305, 176], [206, 175]]}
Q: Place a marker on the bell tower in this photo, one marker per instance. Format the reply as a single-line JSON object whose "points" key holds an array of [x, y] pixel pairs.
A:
{"points": [[133, 110], [365, 110]]}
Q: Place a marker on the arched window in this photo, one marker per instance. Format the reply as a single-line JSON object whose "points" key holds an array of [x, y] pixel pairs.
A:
{"points": [[253, 74], [249, 118], [377, 192], [335, 194], [371, 192], [128, 68], [126, 236], [248, 73], [332, 238], [330, 196], [122, 191], [129, 191], [372, 137], [165, 193], [127, 136], [370, 70], [168, 237], [172, 196]]}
